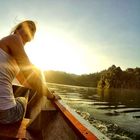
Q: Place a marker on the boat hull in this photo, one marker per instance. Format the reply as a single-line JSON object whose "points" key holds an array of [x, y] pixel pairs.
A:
{"points": [[57, 121]]}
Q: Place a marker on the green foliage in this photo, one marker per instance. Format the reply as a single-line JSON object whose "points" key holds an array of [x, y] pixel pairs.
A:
{"points": [[113, 77], [59, 77]]}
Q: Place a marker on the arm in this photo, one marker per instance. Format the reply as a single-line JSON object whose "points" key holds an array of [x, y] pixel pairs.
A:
{"points": [[31, 74], [22, 80]]}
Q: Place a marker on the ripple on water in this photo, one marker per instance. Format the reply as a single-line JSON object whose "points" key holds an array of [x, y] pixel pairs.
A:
{"points": [[112, 131]]}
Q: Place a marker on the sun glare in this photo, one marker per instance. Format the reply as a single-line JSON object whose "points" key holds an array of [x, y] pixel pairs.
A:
{"points": [[51, 52]]}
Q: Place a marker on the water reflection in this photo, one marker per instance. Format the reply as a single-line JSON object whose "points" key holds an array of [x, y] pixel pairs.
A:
{"points": [[115, 105], [129, 98], [108, 97]]}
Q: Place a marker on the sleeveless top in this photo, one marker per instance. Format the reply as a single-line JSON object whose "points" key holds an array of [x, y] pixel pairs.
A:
{"points": [[8, 71]]}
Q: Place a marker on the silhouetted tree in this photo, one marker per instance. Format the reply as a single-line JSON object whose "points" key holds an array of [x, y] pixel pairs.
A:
{"points": [[113, 77]]}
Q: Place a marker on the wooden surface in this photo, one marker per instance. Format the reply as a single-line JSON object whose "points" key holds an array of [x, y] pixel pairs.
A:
{"points": [[61, 124], [83, 129], [16, 130]]}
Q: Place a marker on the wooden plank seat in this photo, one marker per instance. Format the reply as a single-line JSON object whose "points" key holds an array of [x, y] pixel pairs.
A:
{"points": [[14, 131]]}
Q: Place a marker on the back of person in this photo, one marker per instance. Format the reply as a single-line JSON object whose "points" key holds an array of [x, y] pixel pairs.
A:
{"points": [[8, 70], [12, 57], [11, 109]]}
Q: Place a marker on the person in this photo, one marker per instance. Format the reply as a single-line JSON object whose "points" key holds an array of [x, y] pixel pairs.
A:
{"points": [[14, 62]]}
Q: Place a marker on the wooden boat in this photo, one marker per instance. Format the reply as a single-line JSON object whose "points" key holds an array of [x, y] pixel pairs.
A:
{"points": [[57, 121]]}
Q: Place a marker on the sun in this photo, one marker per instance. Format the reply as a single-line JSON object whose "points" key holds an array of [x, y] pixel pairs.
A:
{"points": [[49, 51]]}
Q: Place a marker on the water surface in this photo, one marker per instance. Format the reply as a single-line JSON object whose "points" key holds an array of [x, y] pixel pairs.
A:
{"points": [[121, 107]]}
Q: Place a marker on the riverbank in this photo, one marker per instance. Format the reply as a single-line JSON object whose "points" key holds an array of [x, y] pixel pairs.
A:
{"points": [[112, 131]]}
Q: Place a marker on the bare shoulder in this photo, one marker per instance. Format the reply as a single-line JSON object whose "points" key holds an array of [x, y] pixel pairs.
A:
{"points": [[14, 45], [11, 43], [12, 40]]}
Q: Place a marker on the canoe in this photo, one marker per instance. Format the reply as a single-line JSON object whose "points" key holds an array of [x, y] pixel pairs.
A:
{"points": [[57, 121]]}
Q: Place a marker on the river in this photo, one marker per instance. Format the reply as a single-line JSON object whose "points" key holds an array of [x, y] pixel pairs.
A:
{"points": [[117, 106]]}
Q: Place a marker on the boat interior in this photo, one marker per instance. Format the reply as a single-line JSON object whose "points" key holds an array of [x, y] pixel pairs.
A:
{"points": [[52, 121]]}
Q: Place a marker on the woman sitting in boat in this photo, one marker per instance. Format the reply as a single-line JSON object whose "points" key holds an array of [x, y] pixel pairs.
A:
{"points": [[14, 62]]}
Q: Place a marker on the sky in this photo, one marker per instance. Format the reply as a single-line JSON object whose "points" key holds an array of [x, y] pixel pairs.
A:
{"points": [[78, 36]]}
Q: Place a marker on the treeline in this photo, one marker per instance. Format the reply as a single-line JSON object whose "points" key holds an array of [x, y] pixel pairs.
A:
{"points": [[113, 77], [89, 80]]}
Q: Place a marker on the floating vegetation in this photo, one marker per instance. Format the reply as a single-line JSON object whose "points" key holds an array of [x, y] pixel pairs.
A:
{"points": [[112, 131]]}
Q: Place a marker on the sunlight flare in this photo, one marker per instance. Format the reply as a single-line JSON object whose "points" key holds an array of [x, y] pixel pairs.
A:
{"points": [[49, 51]]}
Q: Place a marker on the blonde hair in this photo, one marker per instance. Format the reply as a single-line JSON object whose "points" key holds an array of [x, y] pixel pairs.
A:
{"points": [[21, 25]]}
